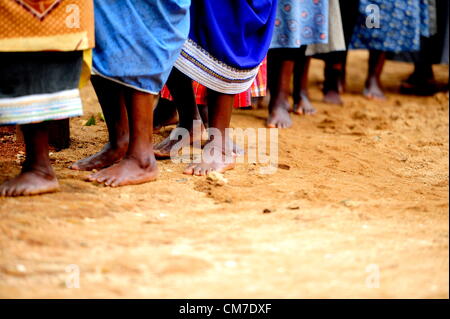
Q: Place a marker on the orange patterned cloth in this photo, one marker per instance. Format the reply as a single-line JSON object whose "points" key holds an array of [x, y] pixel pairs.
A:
{"points": [[244, 99], [46, 25]]}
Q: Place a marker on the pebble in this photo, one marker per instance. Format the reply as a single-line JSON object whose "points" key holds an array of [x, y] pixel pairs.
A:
{"points": [[231, 264], [217, 178], [284, 166], [21, 268]]}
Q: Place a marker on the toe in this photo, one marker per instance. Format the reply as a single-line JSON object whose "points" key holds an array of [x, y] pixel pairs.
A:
{"points": [[24, 191], [120, 181], [2, 190], [101, 179], [198, 171], [189, 170], [92, 177], [117, 182], [271, 123], [109, 181], [11, 191]]}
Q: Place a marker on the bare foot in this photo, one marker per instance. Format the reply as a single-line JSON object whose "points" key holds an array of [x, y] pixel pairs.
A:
{"points": [[203, 169], [304, 107], [260, 102], [373, 90], [163, 148], [129, 171], [214, 159], [29, 183], [332, 97], [105, 158], [237, 150], [279, 115], [419, 86]]}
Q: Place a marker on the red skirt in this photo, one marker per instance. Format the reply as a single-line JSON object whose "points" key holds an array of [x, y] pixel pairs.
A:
{"points": [[244, 99]]}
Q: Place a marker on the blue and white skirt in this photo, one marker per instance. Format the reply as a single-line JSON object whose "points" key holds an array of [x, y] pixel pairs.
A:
{"points": [[228, 41]]}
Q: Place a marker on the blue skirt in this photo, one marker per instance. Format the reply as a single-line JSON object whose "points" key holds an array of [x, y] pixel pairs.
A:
{"points": [[138, 41], [401, 24], [300, 22], [228, 40]]}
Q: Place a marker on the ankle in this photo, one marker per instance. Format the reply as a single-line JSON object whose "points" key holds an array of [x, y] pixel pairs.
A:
{"points": [[119, 145], [42, 169], [144, 158]]}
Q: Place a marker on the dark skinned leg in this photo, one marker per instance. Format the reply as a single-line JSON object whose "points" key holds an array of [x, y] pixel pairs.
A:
{"points": [[280, 69], [334, 77], [164, 114], [37, 176], [220, 107], [302, 104], [182, 92], [110, 96], [139, 164], [422, 81], [203, 110], [373, 89], [188, 111]]}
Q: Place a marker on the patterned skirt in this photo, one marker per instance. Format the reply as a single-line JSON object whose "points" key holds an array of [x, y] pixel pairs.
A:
{"points": [[300, 22], [228, 41], [394, 26]]}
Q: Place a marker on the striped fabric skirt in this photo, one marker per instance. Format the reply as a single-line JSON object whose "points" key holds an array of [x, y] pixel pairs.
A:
{"points": [[228, 40], [39, 86]]}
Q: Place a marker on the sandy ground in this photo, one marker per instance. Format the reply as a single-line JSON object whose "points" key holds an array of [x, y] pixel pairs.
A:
{"points": [[359, 208]]}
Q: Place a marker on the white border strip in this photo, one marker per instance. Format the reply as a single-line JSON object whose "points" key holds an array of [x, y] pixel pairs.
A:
{"points": [[203, 77], [40, 107], [39, 98]]}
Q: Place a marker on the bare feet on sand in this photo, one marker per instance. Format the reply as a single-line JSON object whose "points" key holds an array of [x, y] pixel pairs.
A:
{"points": [[129, 171], [105, 158], [332, 97], [373, 90], [179, 137], [304, 107], [163, 149], [279, 114], [31, 182], [214, 159]]}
